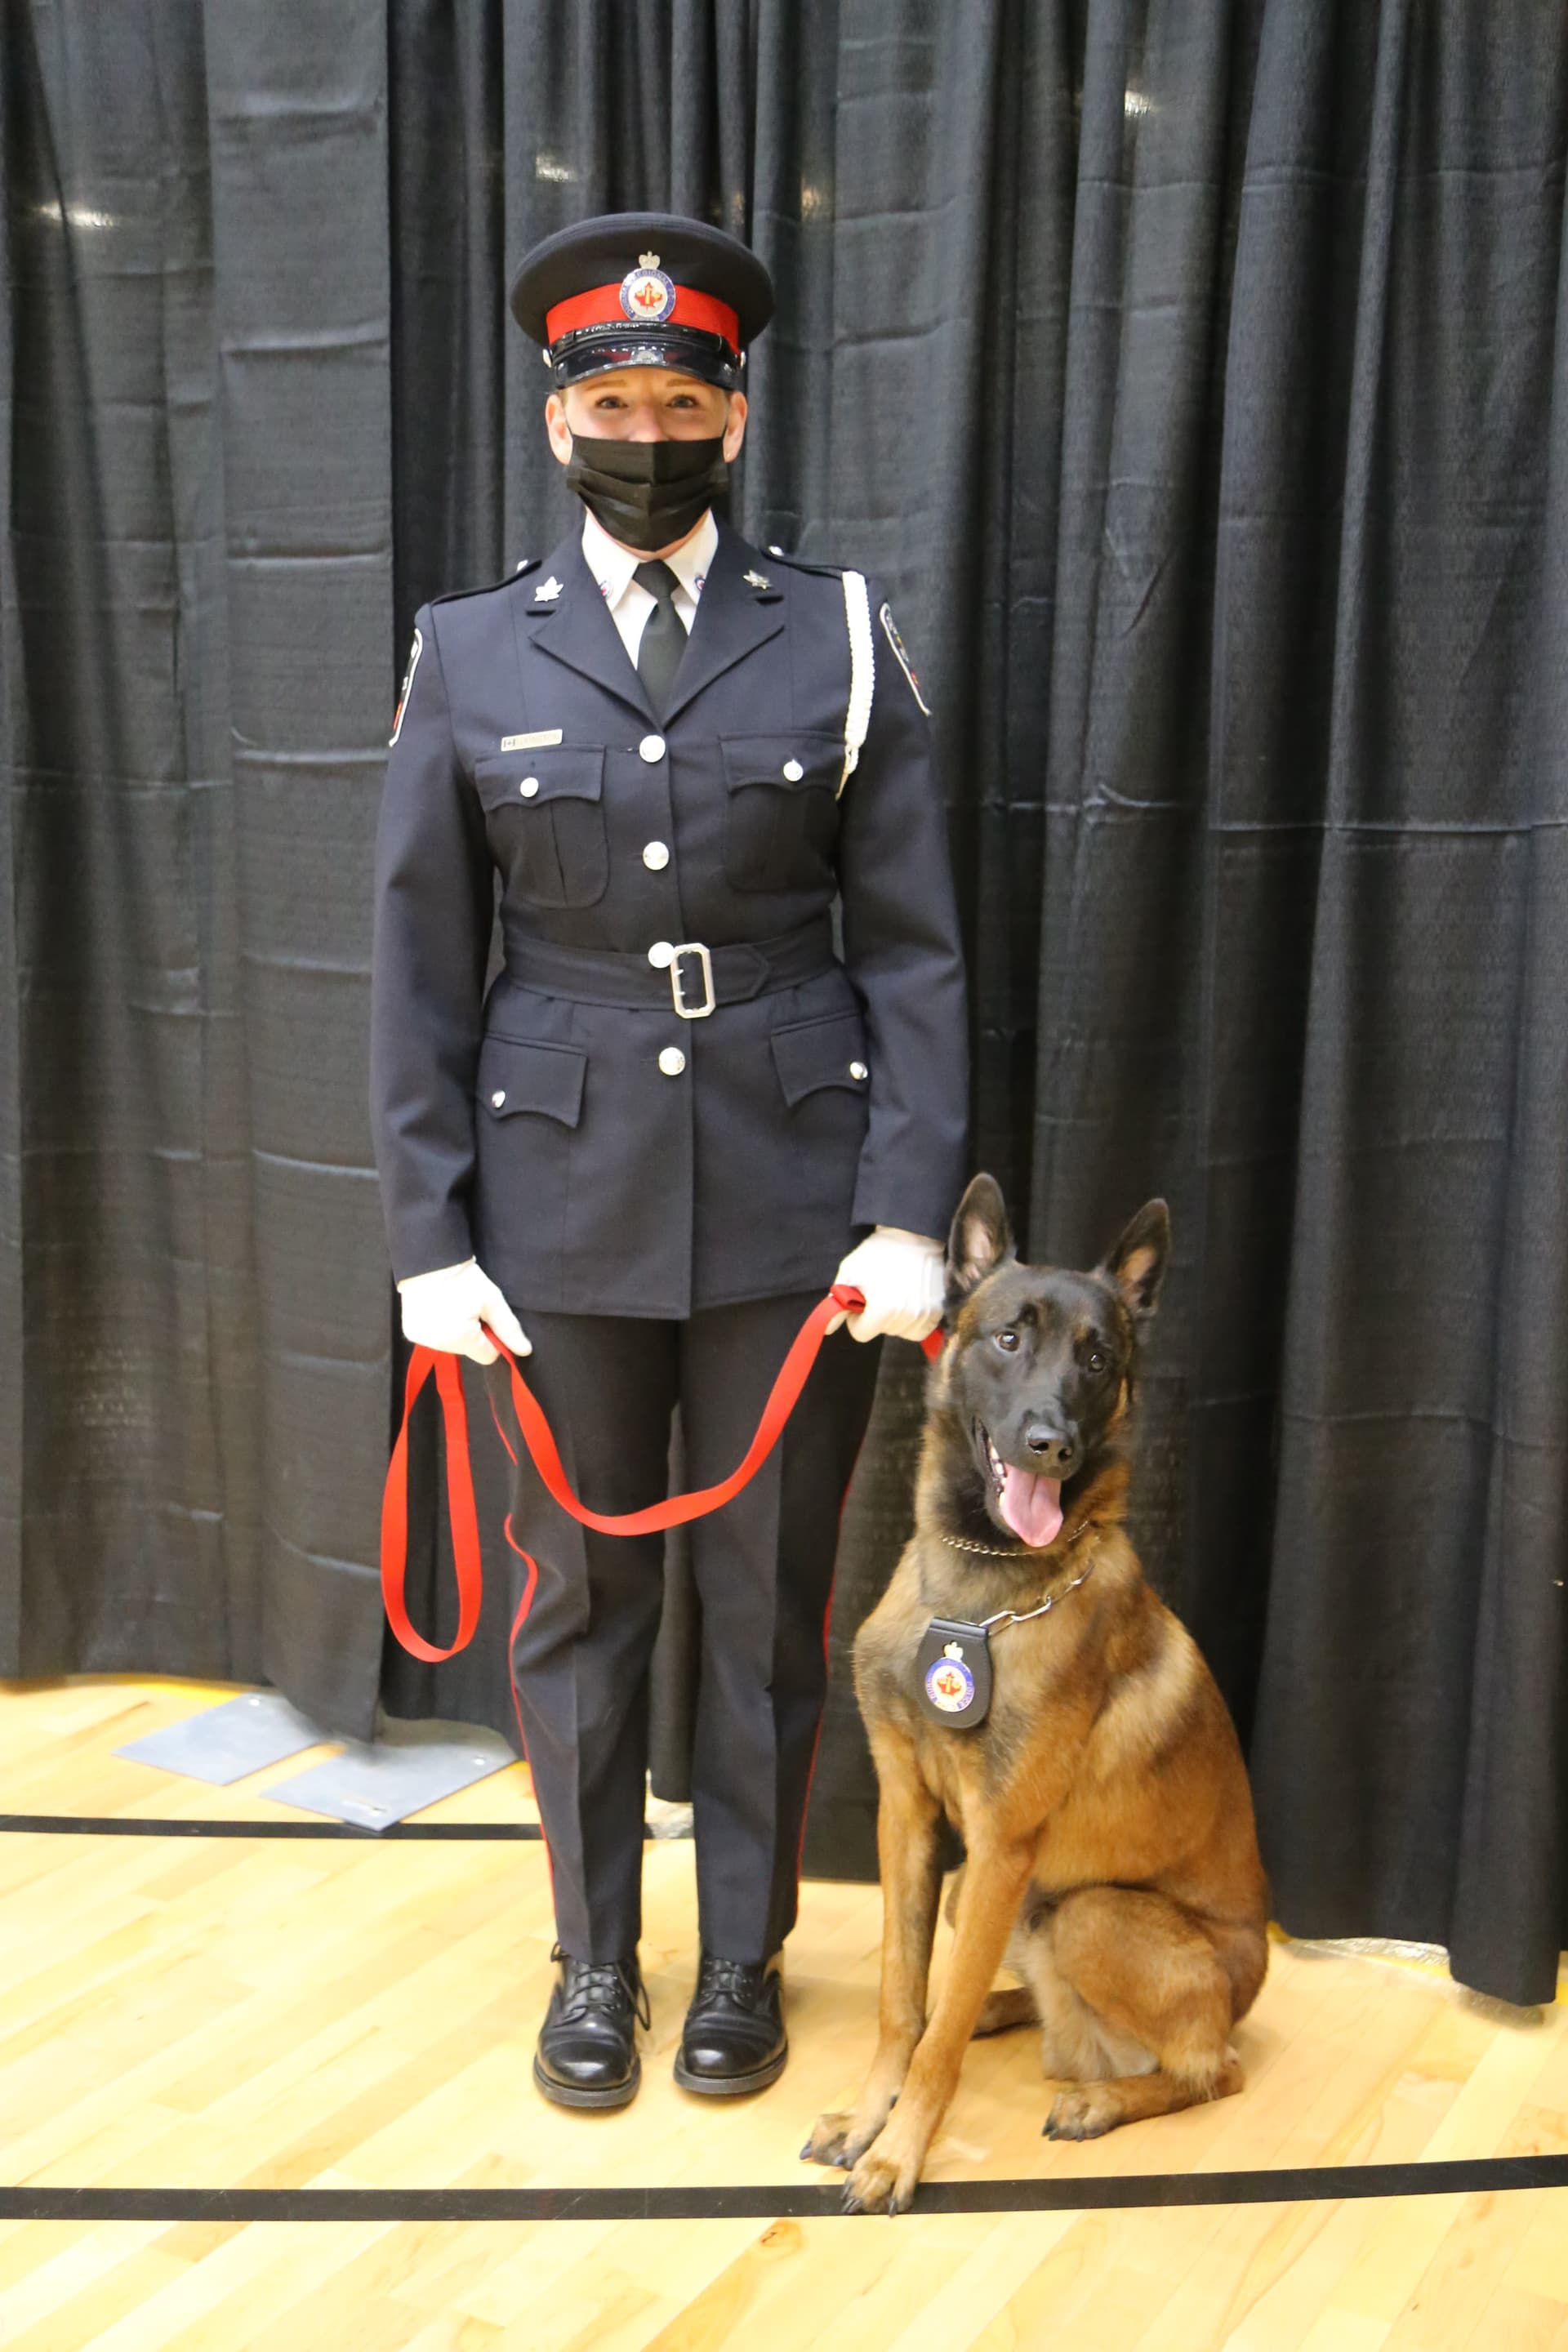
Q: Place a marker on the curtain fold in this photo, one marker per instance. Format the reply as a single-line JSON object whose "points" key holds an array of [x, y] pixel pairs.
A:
{"points": [[13, 175], [135, 1534], [196, 616], [1192, 373], [1412, 1595], [296, 116]]}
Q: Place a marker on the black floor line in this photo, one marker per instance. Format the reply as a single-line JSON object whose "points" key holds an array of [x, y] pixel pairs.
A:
{"points": [[1304, 2184], [128, 1825]]}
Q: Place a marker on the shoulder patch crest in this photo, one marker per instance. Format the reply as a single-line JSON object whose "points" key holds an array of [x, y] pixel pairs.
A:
{"points": [[890, 630]]}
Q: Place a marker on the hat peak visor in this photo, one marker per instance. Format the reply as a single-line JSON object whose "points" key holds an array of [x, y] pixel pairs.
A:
{"points": [[595, 351]]}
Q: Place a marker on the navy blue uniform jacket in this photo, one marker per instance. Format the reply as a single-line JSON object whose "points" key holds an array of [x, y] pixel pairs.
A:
{"points": [[540, 1131]]}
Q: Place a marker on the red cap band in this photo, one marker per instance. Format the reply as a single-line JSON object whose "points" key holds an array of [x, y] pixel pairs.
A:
{"points": [[601, 307]]}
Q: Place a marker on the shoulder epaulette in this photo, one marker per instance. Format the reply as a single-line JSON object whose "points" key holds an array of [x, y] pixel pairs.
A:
{"points": [[799, 563], [487, 588]]}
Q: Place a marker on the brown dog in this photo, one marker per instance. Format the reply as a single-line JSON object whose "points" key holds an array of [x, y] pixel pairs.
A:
{"points": [[1112, 1861]]}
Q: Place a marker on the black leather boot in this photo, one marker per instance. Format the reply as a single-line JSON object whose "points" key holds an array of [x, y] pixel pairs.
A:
{"points": [[587, 2053], [734, 2039]]}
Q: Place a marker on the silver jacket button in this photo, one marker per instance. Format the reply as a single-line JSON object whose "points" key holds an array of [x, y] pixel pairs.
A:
{"points": [[497, 1097], [656, 856], [792, 771], [528, 787], [652, 748], [858, 1070], [672, 1061], [661, 955]]}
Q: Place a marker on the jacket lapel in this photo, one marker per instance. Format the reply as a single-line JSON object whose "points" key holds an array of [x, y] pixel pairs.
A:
{"points": [[733, 618], [573, 626]]}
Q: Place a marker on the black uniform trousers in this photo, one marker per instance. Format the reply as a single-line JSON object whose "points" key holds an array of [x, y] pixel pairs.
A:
{"points": [[763, 1566]]}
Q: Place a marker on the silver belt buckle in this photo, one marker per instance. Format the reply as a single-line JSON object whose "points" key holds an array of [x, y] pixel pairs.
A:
{"points": [[692, 1011]]}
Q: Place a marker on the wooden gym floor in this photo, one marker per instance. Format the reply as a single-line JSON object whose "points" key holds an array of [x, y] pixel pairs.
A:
{"points": [[195, 2013]]}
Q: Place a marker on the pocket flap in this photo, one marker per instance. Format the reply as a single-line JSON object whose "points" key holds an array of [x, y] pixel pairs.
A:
{"points": [[515, 1074], [796, 761], [557, 771], [826, 1052]]}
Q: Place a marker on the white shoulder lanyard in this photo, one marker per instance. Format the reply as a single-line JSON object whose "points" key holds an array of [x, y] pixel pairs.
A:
{"points": [[862, 671]]}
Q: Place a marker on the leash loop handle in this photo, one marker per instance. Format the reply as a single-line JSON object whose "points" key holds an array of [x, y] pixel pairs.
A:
{"points": [[460, 1508]]}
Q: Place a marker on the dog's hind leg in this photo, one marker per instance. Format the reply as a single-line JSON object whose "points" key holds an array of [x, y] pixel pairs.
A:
{"points": [[910, 1857], [1005, 2008], [1074, 2043], [1152, 1988]]}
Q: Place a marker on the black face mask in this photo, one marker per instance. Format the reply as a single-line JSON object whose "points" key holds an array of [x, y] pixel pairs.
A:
{"points": [[647, 494]]}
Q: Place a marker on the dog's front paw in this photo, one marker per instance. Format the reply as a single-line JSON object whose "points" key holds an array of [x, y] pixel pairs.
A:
{"points": [[881, 2183], [828, 2142], [1084, 2112], [844, 2139]]}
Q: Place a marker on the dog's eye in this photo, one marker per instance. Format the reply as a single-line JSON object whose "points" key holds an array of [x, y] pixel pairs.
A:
{"points": [[1007, 1341], [1095, 1360]]}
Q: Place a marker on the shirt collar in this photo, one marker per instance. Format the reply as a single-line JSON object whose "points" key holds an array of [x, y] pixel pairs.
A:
{"points": [[612, 564]]}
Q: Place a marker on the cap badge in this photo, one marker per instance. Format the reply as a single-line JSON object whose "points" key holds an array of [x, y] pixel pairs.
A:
{"points": [[648, 295]]}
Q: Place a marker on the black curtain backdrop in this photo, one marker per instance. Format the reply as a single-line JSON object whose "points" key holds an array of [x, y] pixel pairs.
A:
{"points": [[1196, 374]]}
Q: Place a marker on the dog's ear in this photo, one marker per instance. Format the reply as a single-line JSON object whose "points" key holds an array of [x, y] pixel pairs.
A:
{"points": [[981, 1238], [1136, 1265]]}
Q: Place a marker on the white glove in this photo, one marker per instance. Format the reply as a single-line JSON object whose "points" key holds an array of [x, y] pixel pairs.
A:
{"points": [[443, 1310], [903, 1280]]}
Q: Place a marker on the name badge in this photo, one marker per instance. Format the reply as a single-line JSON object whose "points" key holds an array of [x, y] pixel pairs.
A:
{"points": [[952, 1674], [534, 742]]}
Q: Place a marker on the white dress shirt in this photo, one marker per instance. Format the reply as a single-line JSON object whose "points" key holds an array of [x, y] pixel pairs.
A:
{"points": [[612, 566]]}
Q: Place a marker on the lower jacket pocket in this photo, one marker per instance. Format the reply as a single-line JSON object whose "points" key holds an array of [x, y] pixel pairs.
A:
{"points": [[517, 1075], [826, 1051]]}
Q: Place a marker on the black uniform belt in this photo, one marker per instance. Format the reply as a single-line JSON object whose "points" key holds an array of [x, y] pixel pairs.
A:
{"points": [[692, 977]]}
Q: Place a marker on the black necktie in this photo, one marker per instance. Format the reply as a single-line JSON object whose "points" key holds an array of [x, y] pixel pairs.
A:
{"points": [[663, 638]]}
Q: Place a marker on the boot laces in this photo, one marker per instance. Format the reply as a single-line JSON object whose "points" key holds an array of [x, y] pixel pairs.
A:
{"points": [[741, 1980], [604, 1985]]}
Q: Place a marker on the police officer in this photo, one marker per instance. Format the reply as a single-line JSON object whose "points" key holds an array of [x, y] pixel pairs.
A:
{"points": [[681, 1109]]}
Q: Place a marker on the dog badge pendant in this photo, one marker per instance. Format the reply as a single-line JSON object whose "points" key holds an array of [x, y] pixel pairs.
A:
{"points": [[953, 1672]]}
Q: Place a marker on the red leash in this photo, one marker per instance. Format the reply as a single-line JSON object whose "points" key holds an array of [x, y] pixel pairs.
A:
{"points": [[673, 1512]]}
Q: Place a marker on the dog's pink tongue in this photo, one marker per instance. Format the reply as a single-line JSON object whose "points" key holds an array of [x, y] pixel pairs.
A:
{"points": [[1032, 1505]]}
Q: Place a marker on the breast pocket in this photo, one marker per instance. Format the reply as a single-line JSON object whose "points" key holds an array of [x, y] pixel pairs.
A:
{"points": [[544, 812], [781, 827]]}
